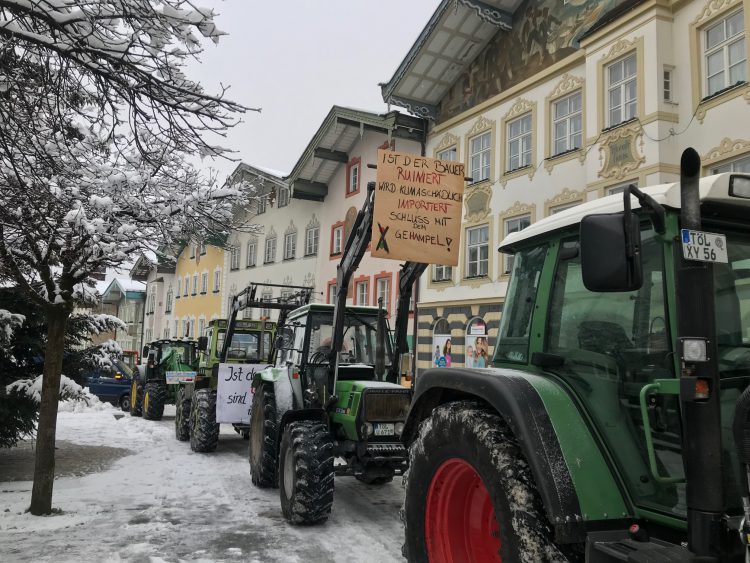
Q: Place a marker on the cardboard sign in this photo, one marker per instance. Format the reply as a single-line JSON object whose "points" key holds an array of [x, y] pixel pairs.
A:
{"points": [[418, 204], [233, 397], [175, 377]]}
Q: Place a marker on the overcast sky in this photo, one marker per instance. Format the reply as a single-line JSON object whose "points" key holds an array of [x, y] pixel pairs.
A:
{"points": [[296, 59]]}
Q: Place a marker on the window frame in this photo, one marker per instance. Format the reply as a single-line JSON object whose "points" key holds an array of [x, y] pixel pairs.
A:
{"points": [[353, 172], [567, 118], [723, 47], [269, 247], [507, 260], [480, 154], [290, 253], [621, 85], [204, 283], [444, 278], [234, 258], [217, 280], [509, 140], [469, 246], [283, 197], [383, 277], [251, 244], [316, 240]]}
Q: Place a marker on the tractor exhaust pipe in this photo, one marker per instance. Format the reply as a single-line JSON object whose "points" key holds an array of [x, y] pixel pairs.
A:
{"points": [[701, 416]]}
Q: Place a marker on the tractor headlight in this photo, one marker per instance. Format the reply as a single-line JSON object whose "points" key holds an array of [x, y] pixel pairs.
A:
{"points": [[694, 350], [367, 429], [399, 428]]}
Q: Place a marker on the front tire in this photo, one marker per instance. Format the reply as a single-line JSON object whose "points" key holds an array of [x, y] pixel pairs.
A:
{"points": [[470, 495], [154, 397], [135, 404], [125, 402], [306, 472], [182, 416], [263, 438], [204, 431]]}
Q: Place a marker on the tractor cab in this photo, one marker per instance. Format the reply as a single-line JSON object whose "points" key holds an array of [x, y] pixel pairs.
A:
{"points": [[251, 343]]}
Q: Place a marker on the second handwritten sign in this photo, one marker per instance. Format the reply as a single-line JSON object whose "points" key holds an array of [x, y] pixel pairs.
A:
{"points": [[418, 204]]}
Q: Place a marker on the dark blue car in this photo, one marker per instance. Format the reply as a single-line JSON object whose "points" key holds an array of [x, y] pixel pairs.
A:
{"points": [[111, 384]]}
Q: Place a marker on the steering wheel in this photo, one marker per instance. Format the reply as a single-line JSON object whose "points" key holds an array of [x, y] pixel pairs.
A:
{"points": [[318, 358]]}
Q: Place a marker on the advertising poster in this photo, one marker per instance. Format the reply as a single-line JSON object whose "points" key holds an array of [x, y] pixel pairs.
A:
{"points": [[233, 397], [418, 203], [477, 349], [441, 351]]}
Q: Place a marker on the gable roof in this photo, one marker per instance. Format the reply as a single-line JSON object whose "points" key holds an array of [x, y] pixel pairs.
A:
{"points": [[340, 131]]}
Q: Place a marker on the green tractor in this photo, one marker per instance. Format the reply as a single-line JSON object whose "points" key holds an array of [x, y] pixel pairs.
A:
{"points": [[614, 424], [195, 416], [333, 393], [167, 364]]}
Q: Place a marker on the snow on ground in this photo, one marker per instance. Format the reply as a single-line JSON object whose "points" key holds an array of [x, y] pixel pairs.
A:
{"points": [[162, 502]]}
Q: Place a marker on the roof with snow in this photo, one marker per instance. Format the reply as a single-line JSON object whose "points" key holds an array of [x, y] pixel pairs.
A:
{"points": [[124, 287], [146, 262], [246, 171], [336, 137]]}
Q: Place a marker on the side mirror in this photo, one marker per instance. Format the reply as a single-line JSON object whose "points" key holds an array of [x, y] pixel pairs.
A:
{"points": [[611, 252], [118, 375], [203, 343], [145, 352]]}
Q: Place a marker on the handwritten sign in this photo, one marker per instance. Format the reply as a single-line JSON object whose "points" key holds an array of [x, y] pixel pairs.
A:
{"points": [[233, 397], [418, 203]]}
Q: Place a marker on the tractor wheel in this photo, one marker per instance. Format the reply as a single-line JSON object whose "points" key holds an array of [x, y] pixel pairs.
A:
{"points": [[154, 397], [470, 495], [204, 432], [136, 409], [182, 416], [374, 480], [306, 472], [263, 438], [125, 402]]}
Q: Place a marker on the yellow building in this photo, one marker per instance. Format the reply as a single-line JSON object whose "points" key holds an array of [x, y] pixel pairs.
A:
{"points": [[199, 284]]}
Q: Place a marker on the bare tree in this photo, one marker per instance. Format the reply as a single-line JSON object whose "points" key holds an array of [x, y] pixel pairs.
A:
{"points": [[96, 117]]}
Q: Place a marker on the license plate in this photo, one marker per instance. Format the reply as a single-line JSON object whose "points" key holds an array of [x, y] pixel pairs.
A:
{"points": [[704, 247], [385, 429]]}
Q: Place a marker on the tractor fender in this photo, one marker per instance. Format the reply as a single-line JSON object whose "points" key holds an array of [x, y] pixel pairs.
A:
{"points": [[515, 395]]}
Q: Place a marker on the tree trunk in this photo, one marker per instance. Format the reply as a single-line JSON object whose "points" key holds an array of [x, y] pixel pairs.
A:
{"points": [[44, 465]]}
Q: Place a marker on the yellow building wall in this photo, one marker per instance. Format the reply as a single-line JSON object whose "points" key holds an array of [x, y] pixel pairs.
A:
{"points": [[198, 304]]}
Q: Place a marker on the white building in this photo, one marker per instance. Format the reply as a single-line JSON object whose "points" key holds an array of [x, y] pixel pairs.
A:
{"points": [[553, 103], [158, 308]]}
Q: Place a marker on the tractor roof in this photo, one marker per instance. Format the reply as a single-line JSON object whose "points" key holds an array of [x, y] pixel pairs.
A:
{"points": [[712, 188], [327, 308]]}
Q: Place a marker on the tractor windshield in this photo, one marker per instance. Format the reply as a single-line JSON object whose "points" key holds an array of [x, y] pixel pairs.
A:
{"points": [[245, 346], [177, 356], [360, 338]]}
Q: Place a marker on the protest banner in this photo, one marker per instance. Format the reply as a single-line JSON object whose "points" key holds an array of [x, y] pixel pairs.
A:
{"points": [[233, 397]]}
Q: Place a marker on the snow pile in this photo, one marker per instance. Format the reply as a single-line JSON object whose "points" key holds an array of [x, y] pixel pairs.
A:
{"points": [[91, 403]]}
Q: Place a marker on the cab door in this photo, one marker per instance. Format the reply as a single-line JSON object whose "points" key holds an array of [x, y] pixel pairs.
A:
{"points": [[613, 344]]}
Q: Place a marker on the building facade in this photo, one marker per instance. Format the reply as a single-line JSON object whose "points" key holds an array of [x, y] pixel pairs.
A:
{"points": [[159, 278], [125, 298], [550, 104]]}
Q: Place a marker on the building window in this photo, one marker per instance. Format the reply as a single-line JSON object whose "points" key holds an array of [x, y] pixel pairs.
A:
{"points": [[353, 173], [201, 326], [622, 95], [203, 248], [448, 154], [362, 292], [151, 303], [187, 286], [179, 287], [247, 313], [261, 204], [740, 165], [725, 55], [290, 245], [283, 197], [204, 282], [477, 251], [185, 328], [668, 84], [331, 293], [514, 225], [619, 188], [566, 123], [270, 254], [195, 284], [557, 208], [252, 254], [479, 156], [441, 344], [166, 333], [338, 237], [266, 297], [383, 287], [168, 304], [217, 280], [519, 143], [441, 273], [192, 251], [312, 234], [234, 258]]}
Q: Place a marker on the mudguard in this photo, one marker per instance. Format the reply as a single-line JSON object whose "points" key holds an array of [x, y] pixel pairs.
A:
{"points": [[575, 482]]}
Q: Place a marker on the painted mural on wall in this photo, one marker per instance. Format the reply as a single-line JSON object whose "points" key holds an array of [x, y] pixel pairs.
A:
{"points": [[544, 32]]}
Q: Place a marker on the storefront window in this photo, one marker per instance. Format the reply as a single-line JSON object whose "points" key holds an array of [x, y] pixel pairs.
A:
{"points": [[478, 352], [441, 344]]}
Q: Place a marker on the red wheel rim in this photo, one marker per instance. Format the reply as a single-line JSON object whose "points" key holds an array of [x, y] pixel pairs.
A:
{"points": [[460, 523]]}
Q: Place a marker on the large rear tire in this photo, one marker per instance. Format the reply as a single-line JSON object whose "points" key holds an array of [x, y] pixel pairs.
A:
{"points": [[135, 400], [470, 495], [306, 472], [182, 416], [204, 431], [154, 397], [264, 459]]}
